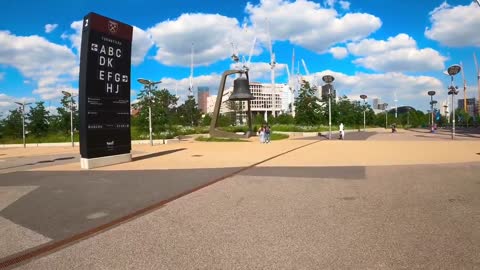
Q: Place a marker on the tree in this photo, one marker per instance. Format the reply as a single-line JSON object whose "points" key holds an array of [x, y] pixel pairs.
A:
{"points": [[189, 112], [163, 106], [207, 119], [463, 118], [38, 120], [308, 110], [347, 112], [12, 124], [233, 108], [61, 121], [284, 119]]}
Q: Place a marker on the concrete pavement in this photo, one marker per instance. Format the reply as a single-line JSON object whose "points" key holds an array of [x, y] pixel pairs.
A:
{"points": [[328, 204]]}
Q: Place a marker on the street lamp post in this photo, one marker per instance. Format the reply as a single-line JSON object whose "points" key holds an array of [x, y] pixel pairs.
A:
{"points": [[452, 90], [23, 104], [408, 116], [445, 107], [148, 85], [71, 96], [364, 108], [434, 109], [431, 94], [386, 115], [328, 79]]}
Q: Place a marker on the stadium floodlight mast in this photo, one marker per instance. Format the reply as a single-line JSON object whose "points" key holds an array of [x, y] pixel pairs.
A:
{"points": [[328, 79], [23, 104], [478, 2], [364, 109], [148, 86], [452, 90], [71, 96]]}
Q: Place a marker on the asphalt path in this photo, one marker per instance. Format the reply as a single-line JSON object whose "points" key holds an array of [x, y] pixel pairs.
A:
{"points": [[20, 163], [66, 203]]}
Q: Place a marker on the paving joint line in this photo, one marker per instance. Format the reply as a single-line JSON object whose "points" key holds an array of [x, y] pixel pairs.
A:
{"points": [[24, 257]]}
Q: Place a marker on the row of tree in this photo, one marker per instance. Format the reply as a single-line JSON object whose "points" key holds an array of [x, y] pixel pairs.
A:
{"points": [[38, 121], [310, 111]]}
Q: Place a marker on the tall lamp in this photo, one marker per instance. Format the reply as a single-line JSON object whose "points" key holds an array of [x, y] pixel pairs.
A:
{"points": [[431, 94], [23, 104], [71, 96], [328, 79], [452, 90], [148, 86], [364, 108], [385, 105]]}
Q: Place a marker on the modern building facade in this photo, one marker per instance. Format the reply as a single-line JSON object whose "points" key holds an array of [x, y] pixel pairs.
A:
{"points": [[376, 102], [263, 102], [471, 106], [203, 94]]}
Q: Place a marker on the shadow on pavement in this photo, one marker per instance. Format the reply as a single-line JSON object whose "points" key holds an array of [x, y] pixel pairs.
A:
{"points": [[152, 155], [37, 162], [342, 172], [349, 136]]}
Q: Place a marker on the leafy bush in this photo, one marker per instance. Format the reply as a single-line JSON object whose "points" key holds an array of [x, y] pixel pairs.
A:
{"points": [[278, 136]]}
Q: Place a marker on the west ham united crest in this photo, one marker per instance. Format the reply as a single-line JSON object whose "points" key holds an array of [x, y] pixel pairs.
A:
{"points": [[112, 27]]}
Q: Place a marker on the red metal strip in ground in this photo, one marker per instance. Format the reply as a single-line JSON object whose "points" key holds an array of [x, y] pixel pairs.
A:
{"points": [[55, 246]]}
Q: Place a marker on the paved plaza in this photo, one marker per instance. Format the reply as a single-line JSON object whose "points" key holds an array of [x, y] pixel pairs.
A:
{"points": [[376, 200]]}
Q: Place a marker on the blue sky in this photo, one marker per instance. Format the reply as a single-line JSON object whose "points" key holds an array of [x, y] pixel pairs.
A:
{"points": [[373, 47]]}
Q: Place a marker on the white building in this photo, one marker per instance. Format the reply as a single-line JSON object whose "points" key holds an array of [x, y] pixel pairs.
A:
{"points": [[263, 99]]}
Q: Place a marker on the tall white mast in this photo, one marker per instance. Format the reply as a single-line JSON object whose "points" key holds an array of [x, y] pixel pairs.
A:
{"points": [[396, 106], [272, 71], [190, 89], [292, 83], [478, 82]]}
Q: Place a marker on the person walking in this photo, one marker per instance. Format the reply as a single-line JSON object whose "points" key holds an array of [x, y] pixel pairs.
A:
{"points": [[341, 131], [267, 134], [261, 134]]}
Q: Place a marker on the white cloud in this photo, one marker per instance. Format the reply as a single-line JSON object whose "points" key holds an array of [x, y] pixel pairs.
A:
{"points": [[141, 43], [404, 60], [456, 26], [307, 24], [304, 23], [211, 34], [338, 52], [344, 4], [181, 86], [410, 90], [76, 37], [7, 103], [51, 109], [261, 71], [372, 46], [2, 75], [329, 3], [38, 59], [396, 54], [52, 91], [50, 27]]}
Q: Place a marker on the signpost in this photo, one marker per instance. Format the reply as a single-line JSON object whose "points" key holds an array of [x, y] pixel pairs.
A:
{"points": [[104, 92]]}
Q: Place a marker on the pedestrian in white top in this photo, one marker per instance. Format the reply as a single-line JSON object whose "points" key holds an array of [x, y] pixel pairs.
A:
{"points": [[342, 131]]}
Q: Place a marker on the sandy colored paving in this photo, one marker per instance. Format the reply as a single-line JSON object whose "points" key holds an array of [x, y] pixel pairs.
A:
{"points": [[192, 155]]}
